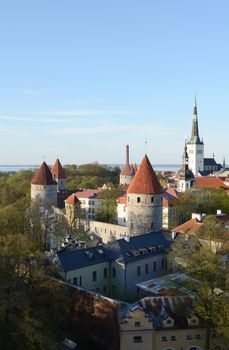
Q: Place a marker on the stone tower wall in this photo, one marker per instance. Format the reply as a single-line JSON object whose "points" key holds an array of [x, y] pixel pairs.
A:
{"points": [[45, 194], [125, 179], [144, 213], [196, 157]]}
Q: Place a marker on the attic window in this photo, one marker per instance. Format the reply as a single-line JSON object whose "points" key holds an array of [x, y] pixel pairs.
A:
{"points": [[137, 324], [169, 321], [138, 199]]}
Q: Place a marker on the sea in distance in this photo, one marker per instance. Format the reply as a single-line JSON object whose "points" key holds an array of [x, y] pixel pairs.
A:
{"points": [[16, 168]]}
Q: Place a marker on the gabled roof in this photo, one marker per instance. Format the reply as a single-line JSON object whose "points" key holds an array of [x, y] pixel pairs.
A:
{"points": [[90, 193], [72, 199], [189, 227], [43, 176], [209, 161], [58, 171], [145, 180], [209, 181]]}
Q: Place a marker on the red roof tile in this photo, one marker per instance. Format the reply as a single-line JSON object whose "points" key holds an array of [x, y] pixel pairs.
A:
{"points": [[43, 176], [90, 193], [72, 199], [145, 180], [189, 227], [58, 171], [207, 181], [127, 171], [122, 200]]}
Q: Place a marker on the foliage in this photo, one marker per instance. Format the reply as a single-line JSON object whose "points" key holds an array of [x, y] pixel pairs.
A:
{"points": [[107, 210], [209, 280], [90, 175]]}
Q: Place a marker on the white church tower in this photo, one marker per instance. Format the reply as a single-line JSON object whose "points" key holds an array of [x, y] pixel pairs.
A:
{"points": [[195, 147]]}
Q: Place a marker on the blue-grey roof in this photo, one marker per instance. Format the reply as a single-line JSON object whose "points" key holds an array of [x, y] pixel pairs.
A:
{"points": [[84, 257], [136, 248], [140, 247]]}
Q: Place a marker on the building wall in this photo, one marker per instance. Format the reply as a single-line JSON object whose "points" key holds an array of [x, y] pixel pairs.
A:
{"points": [[144, 213], [196, 157], [45, 194], [122, 214], [108, 232], [125, 179], [86, 274], [89, 207], [133, 277]]}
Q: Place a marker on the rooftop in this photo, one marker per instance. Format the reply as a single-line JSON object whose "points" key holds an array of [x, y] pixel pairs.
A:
{"points": [[58, 171], [43, 176]]}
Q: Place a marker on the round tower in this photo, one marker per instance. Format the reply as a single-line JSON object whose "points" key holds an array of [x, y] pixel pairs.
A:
{"points": [[185, 176], [59, 176], [44, 187], [127, 172], [73, 210], [144, 201]]}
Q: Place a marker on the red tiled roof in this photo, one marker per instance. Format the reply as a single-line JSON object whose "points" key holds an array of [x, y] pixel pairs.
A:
{"points": [[203, 181], [90, 193], [145, 180], [122, 200], [72, 199], [43, 176], [58, 171], [189, 227], [126, 170]]}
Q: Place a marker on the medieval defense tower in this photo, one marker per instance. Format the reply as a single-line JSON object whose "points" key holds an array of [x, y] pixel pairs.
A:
{"points": [[59, 175], [195, 147], [144, 201], [128, 171], [44, 187]]}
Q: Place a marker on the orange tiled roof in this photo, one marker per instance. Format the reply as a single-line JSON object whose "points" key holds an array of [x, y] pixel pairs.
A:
{"points": [[145, 180], [203, 181], [189, 227], [90, 193], [43, 176], [58, 171], [72, 199]]}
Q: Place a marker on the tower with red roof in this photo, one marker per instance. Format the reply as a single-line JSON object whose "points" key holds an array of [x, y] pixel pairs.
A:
{"points": [[128, 171], [44, 187], [59, 175], [144, 201]]}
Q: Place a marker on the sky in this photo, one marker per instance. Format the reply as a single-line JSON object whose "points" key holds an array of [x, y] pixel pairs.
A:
{"points": [[80, 79]]}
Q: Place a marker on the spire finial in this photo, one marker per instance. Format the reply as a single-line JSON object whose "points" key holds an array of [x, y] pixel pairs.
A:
{"points": [[195, 106]]}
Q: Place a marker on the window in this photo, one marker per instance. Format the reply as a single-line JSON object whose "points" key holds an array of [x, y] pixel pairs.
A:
{"points": [[104, 289], [113, 272], [163, 338], [105, 272], [137, 324], [138, 199], [94, 276], [154, 266], [169, 322], [80, 280], [152, 199], [137, 339], [173, 338], [162, 263], [146, 268], [152, 225], [75, 280], [189, 337], [138, 270]]}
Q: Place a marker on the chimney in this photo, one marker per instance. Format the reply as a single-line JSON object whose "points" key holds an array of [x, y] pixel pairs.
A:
{"points": [[127, 154]]}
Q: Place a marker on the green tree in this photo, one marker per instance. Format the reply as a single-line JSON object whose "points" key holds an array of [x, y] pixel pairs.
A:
{"points": [[107, 210]]}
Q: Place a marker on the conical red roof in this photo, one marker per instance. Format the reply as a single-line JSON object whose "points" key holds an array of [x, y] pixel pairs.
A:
{"points": [[126, 170], [58, 171], [43, 176], [72, 199], [145, 180]]}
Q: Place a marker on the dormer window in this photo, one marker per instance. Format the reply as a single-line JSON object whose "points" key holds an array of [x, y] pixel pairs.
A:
{"points": [[137, 324]]}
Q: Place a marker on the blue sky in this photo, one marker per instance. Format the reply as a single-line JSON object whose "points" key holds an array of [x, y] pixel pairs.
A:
{"points": [[82, 78]]}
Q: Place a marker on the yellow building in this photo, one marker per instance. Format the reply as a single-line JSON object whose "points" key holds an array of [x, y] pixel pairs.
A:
{"points": [[157, 330]]}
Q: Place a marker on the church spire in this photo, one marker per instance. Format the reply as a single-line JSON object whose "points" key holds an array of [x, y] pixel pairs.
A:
{"points": [[195, 138]]}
